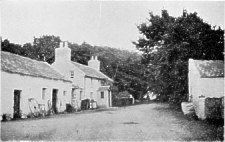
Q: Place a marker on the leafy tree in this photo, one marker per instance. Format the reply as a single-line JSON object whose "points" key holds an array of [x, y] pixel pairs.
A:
{"points": [[44, 48], [11, 47], [167, 44]]}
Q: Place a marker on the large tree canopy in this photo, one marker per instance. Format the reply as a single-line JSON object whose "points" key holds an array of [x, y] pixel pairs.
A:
{"points": [[168, 42]]}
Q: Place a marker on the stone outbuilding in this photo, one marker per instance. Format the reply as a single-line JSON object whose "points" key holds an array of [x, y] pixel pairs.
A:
{"points": [[206, 80]]}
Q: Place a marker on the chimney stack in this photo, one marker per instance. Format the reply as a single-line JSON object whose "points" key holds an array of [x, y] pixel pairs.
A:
{"points": [[94, 63], [63, 53]]}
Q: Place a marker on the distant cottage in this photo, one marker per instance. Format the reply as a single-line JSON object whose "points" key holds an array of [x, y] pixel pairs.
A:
{"points": [[88, 82], [29, 85], [206, 80]]}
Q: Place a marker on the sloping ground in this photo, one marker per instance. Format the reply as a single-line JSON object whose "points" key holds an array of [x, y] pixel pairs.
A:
{"points": [[149, 122]]}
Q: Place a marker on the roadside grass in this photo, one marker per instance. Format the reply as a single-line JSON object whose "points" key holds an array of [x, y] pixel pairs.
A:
{"points": [[204, 130]]}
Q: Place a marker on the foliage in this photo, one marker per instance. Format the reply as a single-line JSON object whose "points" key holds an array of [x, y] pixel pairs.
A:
{"points": [[168, 42]]}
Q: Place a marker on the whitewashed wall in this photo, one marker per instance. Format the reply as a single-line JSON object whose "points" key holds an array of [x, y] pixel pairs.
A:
{"points": [[212, 87], [104, 102], [31, 88], [205, 87], [91, 86], [87, 86]]}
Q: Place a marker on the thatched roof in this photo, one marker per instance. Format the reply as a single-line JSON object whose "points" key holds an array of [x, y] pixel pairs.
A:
{"points": [[25, 66], [210, 68], [90, 72]]}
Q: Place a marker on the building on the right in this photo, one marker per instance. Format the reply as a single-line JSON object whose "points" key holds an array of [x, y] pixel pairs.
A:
{"points": [[205, 80]]}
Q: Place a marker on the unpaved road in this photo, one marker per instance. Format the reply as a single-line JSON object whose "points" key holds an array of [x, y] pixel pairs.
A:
{"points": [[150, 122]]}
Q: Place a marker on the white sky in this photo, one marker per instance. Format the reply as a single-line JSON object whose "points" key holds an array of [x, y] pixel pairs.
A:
{"points": [[104, 23]]}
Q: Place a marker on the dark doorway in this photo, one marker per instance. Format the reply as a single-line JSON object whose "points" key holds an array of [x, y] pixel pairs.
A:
{"points": [[54, 100], [109, 98], [16, 107]]}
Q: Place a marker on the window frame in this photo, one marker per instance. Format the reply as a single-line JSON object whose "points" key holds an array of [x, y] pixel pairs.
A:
{"points": [[102, 94], [43, 94], [71, 74], [64, 93]]}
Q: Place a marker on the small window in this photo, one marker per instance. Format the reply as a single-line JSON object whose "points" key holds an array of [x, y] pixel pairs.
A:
{"points": [[103, 83], [64, 93], [91, 82], [73, 93], [91, 95], [81, 92], [102, 95], [71, 74], [43, 93]]}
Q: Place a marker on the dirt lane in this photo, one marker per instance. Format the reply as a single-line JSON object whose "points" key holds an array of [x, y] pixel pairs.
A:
{"points": [[133, 123]]}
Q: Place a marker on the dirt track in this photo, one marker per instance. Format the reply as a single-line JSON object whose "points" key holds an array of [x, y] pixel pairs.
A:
{"points": [[149, 122]]}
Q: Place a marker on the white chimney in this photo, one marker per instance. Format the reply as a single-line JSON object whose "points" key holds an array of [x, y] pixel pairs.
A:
{"points": [[94, 63], [63, 53]]}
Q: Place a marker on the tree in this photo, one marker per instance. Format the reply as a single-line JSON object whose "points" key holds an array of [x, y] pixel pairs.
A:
{"points": [[11, 47], [44, 48], [168, 42]]}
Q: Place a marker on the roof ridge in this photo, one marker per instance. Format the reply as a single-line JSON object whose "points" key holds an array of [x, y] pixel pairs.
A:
{"points": [[98, 73], [208, 60], [20, 56], [87, 66]]}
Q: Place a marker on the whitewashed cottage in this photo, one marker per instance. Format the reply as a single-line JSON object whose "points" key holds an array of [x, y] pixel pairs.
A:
{"points": [[88, 81], [206, 79], [26, 82]]}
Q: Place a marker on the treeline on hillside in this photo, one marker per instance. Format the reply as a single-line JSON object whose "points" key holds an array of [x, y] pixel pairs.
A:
{"points": [[122, 66], [168, 42]]}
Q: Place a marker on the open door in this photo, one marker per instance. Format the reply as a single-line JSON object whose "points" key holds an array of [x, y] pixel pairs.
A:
{"points": [[16, 107], [54, 100]]}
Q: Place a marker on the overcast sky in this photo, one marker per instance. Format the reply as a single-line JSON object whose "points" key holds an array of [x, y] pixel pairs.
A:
{"points": [[102, 23]]}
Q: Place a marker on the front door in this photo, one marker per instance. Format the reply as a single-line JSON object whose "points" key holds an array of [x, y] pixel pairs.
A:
{"points": [[16, 107], [54, 100]]}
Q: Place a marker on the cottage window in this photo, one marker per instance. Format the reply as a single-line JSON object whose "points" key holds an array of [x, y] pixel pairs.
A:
{"points": [[43, 93], [81, 92], [73, 93], [102, 95], [71, 74], [103, 83], [91, 95], [64, 93], [91, 82]]}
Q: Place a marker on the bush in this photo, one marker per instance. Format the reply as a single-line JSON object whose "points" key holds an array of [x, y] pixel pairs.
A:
{"points": [[122, 102]]}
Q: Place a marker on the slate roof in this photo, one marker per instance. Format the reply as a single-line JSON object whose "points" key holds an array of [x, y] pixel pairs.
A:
{"points": [[22, 65], [90, 72], [210, 68]]}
